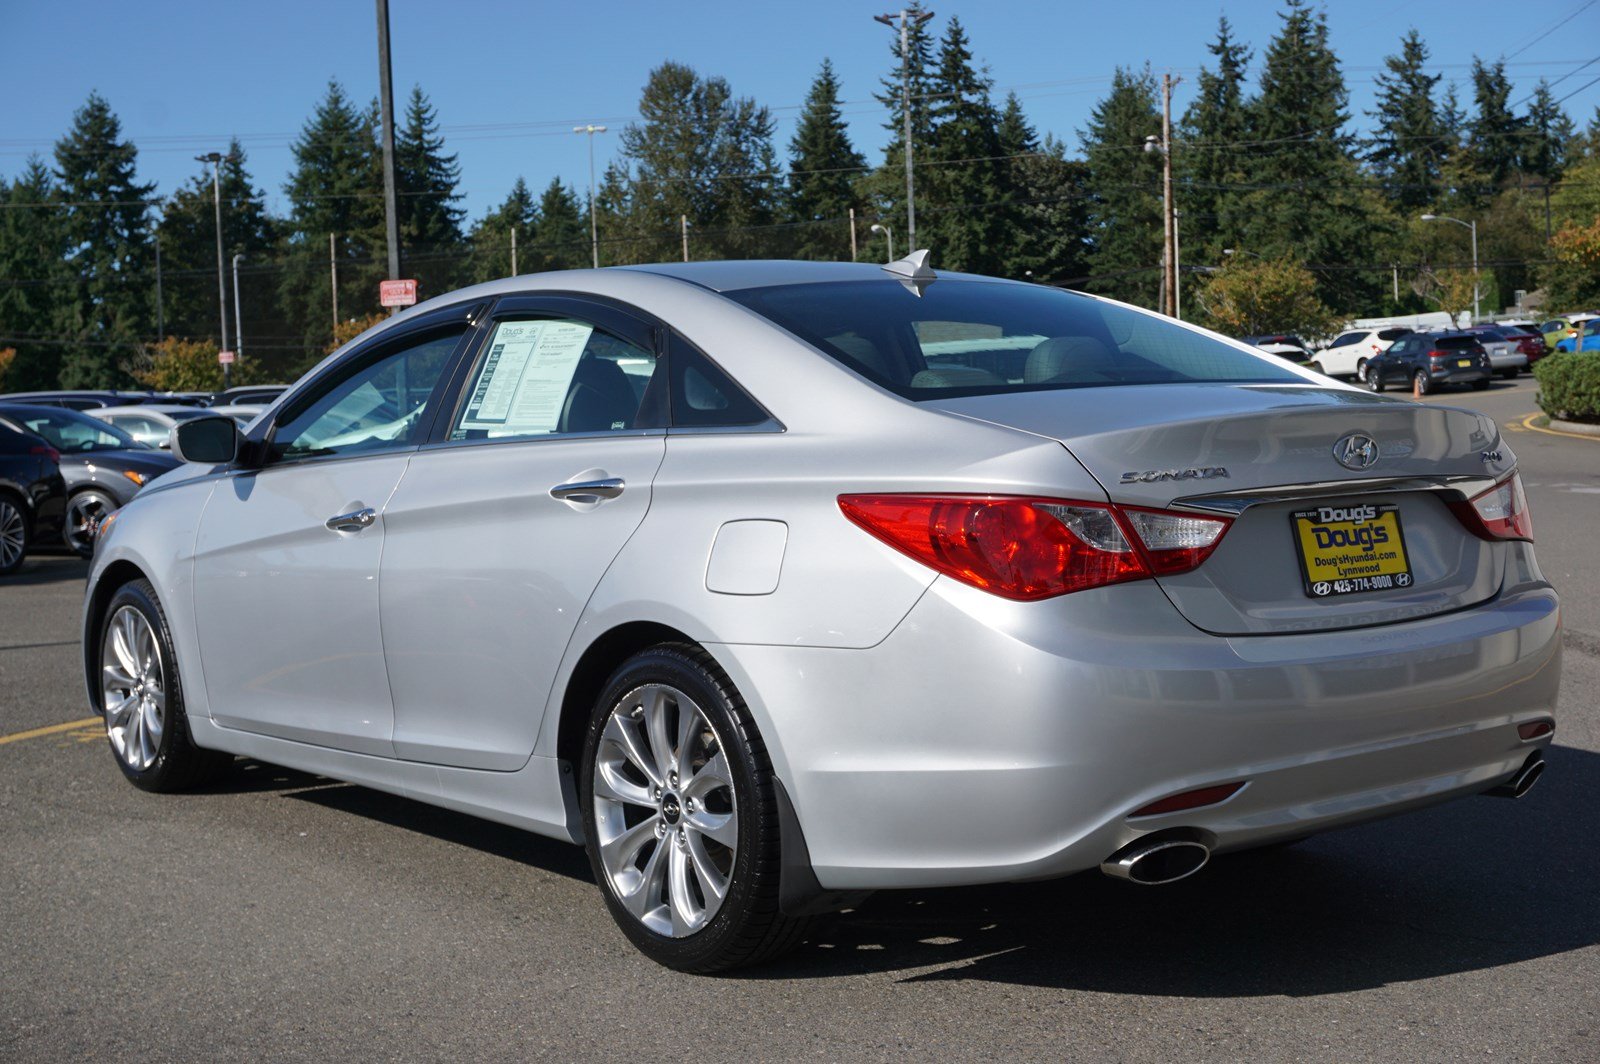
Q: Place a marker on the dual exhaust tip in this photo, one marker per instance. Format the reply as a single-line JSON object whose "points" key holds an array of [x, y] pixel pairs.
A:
{"points": [[1167, 858]]}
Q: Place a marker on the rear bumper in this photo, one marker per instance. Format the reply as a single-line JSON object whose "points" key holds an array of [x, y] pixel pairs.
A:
{"points": [[986, 740], [1453, 375]]}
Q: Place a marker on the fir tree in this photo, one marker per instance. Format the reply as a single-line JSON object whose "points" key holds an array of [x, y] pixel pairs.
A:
{"points": [[1496, 132], [1548, 134], [107, 226], [33, 246], [491, 236], [823, 170], [964, 173], [563, 230], [426, 181], [1410, 141], [1124, 211], [1047, 203], [1211, 154]]}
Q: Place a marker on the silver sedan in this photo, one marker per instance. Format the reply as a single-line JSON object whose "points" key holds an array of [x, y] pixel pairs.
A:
{"points": [[777, 583]]}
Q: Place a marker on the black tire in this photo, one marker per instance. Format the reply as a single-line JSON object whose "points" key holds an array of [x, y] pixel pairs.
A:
{"points": [[1374, 379], [748, 928], [16, 537], [85, 510], [1361, 369], [1424, 385], [1509, 374], [178, 763], [1480, 386]]}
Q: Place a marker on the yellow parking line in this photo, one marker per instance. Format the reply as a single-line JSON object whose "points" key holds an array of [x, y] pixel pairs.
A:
{"points": [[1528, 424], [53, 729]]}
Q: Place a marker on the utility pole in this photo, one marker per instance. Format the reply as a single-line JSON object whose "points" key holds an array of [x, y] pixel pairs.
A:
{"points": [[852, 239], [215, 159], [1394, 272], [1177, 271], [594, 228], [161, 321], [905, 16], [1169, 218], [238, 323], [683, 220], [513, 251], [386, 105], [333, 270]]}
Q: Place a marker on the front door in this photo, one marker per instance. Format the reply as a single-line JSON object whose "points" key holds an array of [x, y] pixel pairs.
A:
{"points": [[287, 555]]}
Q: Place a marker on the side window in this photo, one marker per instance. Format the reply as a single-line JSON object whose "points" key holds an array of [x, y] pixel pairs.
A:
{"points": [[549, 376], [1347, 339], [378, 406], [703, 396]]}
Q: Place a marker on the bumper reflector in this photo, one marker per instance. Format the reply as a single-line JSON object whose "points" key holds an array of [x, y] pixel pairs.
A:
{"points": [[1535, 729], [1190, 799]]}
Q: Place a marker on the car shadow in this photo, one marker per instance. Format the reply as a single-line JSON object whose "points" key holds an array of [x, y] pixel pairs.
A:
{"points": [[39, 569], [1474, 884]]}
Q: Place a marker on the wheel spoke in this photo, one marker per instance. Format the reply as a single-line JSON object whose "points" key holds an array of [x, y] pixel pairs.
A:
{"points": [[116, 677], [712, 775], [117, 715], [718, 827], [611, 785], [624, 733], [122, 646], [679, 898], [713, 884], [152, 726], [655, 721], [619, 853], [647, 895]]}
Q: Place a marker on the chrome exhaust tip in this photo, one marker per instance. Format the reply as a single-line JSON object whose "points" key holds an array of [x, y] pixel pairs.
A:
{"points": [[1152, 862], [1523, 781]]}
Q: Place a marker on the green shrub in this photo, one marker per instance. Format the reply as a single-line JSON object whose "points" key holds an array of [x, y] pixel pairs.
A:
{"points": [[1569, 385]]}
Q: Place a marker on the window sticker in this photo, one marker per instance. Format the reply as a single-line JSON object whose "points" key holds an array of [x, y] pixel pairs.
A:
{"points": [[525, 377]]}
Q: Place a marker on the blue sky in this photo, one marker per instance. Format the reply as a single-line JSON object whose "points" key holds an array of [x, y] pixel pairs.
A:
{"points": [[509, 80]]}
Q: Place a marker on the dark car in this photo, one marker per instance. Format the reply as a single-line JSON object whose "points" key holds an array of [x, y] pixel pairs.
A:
{"points": [[249, 394], [33, 495], [1430, 360], [104, 467]]}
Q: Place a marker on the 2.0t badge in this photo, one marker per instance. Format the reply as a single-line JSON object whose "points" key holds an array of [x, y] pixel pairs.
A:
{"points": [[1356, 451]]}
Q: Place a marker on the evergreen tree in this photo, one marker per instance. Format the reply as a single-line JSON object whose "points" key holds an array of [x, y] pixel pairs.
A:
{"points": [[33, 246], [564, 239], [823, 170], [965, 176], [426, 181], [336, 189], [1124, 210], [1047, 203], [1548, 134], [1211, 154], [1410, 141], [1496, 132], [491, 237], [188, 235], [912, 74], [107, 225]]}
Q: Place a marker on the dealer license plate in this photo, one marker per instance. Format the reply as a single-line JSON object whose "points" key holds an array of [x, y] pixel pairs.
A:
{"points": [[1348, 549], [1463, 362]]}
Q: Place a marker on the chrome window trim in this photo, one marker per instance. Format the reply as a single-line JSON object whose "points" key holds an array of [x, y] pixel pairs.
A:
{"points": [[1460, 486], [770, 425], [605, 434]]}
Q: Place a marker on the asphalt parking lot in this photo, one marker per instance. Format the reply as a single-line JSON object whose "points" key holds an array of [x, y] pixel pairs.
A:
{"points": [[284, 916]]}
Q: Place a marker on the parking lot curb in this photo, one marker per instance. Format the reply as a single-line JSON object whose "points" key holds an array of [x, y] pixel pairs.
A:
{"points": [[1557, 427]]}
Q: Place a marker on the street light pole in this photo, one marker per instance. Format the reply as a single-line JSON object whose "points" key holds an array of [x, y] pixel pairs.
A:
{"points": [[594, 228], [215, 159], [386, 104], [238, 322], [888, 234], [905, 16], [1473, 226]]}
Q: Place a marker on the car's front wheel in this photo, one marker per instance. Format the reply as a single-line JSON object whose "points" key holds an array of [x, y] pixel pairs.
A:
{"points": [[13, 535], [85, 511], [142, 698], [680, 815]]}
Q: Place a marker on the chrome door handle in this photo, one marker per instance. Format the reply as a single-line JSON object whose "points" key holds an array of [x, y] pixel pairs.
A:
{"points": [[589, 490], [354, 521]]}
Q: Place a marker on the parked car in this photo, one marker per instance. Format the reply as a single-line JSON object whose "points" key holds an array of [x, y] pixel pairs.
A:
{"points": [[1557, 329], [150, 424], [243, 413], [1588, 330], [71, 400], [1529, 340], [252, 394], [1506, 356], [1291, 349], [1431, 360], [33, 495], [104, 466], [1347, 355], [712, 567]]}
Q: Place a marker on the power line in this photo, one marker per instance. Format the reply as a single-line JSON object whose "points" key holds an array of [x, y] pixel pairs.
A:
{"points": [[1581, 9]]}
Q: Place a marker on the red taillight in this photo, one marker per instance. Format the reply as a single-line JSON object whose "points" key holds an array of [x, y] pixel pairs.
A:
{"points": [[48, 451], [1190, 800], [1030, 548], [1499, 513]]}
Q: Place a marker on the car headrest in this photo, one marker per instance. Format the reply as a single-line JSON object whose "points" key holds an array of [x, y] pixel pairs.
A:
{"points": [[1067, 358]]}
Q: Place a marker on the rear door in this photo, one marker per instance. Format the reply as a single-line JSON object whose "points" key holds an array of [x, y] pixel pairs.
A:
{"points": [[505, 524]]}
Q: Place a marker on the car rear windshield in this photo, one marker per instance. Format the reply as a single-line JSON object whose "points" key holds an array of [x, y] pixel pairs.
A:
{"points": [[985, 338], [1455, 343], [1393, 334]]}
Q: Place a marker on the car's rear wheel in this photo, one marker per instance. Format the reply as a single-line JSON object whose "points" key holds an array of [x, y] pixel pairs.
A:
{"points": [[1424, 384], [14, 535], [85, 511], [1361, 369], [680, 815], [1314, 367], [141, 697]]}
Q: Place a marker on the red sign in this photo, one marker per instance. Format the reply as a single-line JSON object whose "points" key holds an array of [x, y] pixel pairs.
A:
{"points": [[397, 293], [226, 358]]}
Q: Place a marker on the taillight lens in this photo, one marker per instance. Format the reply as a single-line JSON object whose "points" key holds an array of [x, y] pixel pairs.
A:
{"points": [[49, 452], [1499, 513], [1029, 548]]}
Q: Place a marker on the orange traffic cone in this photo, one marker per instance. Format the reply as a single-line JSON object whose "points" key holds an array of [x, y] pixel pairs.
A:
{"points": [[1416, 387]]}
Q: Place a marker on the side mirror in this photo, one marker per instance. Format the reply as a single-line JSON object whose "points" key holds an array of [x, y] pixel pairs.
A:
{"points": [[206, 440]]}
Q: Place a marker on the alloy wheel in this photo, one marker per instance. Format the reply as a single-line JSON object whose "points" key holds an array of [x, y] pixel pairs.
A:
{"points": [[13, 535], [666, 822], [84, 513], [133, 688]]}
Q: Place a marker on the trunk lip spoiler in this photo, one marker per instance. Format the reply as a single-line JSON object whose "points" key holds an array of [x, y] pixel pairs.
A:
{"points": [[1450, 486]]}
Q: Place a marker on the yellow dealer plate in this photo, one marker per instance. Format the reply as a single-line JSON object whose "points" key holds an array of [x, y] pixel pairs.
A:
{"points": [[1347, 549]]}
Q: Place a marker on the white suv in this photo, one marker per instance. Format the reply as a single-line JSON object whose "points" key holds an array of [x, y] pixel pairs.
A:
{"points": [[1347, 355]]}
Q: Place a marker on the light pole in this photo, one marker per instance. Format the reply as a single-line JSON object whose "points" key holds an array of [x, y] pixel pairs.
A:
{"points": [[1474, 227], [906, 16], [594, 229], [391, 214], [215, 159], [238, 321], [1241, 251], [888, 234]]}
